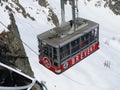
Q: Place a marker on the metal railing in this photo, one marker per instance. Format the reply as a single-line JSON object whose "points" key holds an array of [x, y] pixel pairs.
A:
{"points": [[27, 87]]}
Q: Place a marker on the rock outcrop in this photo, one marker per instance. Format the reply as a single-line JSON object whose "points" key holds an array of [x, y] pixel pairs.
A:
{"points": [[12, 51]]}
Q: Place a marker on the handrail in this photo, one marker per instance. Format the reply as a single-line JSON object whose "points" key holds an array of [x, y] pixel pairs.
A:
{"points": [[18, 87]]}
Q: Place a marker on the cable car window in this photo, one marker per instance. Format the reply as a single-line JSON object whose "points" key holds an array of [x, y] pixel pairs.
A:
{"points": [[55, 58], [92, 37], [39, 45], [50, 52], [96, 32], [75, 45], [64, 51], [54, 54], [55, 63], [44, 49], [84, 40], [39, 42]]}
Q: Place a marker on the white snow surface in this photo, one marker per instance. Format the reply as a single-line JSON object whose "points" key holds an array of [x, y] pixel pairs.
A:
{"points": [[90, 73], [4, 18]]}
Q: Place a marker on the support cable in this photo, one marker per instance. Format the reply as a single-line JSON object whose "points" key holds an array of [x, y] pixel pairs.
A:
{"points": [[28, 87], [21, 40]]}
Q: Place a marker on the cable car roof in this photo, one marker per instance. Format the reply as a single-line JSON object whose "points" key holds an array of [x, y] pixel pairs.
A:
{"points": [[64, 34]]}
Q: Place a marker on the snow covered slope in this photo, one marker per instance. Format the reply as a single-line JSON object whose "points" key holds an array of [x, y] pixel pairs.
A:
{"points": [[92, 73]]}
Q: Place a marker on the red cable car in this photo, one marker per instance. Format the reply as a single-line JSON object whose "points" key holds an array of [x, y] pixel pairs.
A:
{"points": [[65, 45]]}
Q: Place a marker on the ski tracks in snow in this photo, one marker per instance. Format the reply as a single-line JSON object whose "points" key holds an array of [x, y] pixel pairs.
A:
{"points": [[113, 45]]}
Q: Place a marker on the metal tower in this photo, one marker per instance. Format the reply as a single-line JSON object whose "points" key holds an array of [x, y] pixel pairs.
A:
{"points": [[74, 5]]}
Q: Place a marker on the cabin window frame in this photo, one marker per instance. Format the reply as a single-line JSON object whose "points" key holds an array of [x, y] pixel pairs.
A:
{"points": [[85, 40], [93, 36], [75, 45], [64, 52], [53, 53]]}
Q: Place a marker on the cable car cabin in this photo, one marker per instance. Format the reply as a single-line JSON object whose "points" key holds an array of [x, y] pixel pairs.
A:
{"points": [[62, 47]]}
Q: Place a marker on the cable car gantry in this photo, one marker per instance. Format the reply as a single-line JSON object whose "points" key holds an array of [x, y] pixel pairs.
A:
{"points": [[75, 12]]}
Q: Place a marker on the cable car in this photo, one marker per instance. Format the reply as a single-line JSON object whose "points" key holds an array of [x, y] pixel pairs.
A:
{"points": [[62, 47], [59, 51]]}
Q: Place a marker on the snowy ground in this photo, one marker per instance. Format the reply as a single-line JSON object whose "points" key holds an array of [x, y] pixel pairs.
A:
{"points": [[89, 74]]}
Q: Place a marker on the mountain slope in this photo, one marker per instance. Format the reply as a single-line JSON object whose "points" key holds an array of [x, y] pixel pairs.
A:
{"points": [[91, 73]]}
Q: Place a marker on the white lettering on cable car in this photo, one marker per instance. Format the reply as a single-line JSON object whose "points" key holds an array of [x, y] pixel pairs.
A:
{"points": [[81, 56]]}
